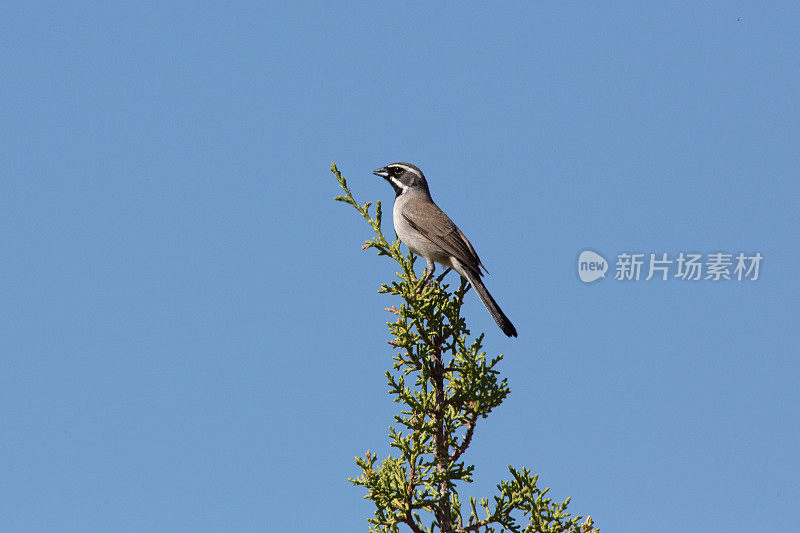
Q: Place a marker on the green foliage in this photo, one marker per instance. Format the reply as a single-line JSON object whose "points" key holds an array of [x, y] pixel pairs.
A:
{"points": [[445, 385]]}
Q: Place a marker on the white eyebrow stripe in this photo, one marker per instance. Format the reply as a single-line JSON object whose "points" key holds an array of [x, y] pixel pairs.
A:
{"points": [[405, 167]]}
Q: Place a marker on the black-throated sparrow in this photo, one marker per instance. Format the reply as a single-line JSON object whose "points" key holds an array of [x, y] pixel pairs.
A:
{"points": [[428, 232]]}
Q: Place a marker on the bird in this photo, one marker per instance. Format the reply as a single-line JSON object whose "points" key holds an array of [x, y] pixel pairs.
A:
{"points": [[428, 232]]}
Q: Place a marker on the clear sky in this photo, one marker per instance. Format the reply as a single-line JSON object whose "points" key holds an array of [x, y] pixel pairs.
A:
{"points": [[191, 338]]}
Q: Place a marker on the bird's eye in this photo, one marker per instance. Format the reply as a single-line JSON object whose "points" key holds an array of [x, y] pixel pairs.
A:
{"points": [[394, 170]]}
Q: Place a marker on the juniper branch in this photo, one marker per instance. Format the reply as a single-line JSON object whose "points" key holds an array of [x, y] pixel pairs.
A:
{"points": [[446, 384]]}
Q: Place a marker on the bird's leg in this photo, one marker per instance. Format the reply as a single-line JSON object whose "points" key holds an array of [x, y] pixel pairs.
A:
{"points": [[431, 268], [443, 274]]}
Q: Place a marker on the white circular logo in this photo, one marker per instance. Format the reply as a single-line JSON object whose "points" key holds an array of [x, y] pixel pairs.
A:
{"points": [[591, 266]]}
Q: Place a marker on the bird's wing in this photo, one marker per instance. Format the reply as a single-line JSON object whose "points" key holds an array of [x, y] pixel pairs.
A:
{"points": [[440, 230]]}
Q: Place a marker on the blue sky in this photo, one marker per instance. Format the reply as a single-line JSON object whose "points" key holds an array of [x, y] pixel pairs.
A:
{"points": [[191, 338]]}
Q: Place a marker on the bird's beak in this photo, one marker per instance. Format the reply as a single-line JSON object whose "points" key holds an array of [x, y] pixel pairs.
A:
{"points": [[382, 172]]}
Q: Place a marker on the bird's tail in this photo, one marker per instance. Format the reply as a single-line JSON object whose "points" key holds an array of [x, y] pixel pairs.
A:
{"points": [[494, 309]]}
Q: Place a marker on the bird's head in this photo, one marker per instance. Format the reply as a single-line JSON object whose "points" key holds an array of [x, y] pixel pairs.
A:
{"points": [[403, 177]]}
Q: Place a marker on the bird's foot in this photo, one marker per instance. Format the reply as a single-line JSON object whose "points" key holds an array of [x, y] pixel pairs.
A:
{"points": [[443, 274], [426, 281]]}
